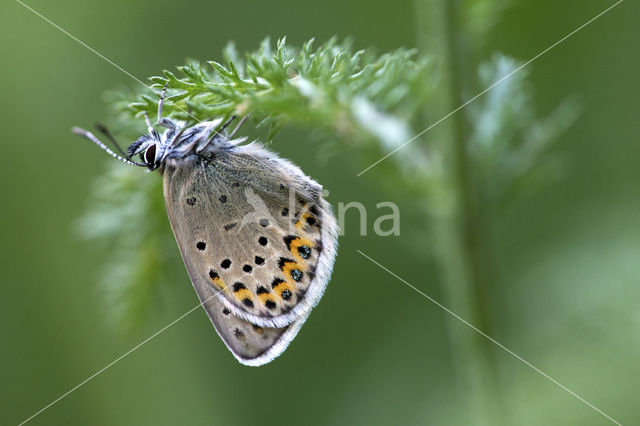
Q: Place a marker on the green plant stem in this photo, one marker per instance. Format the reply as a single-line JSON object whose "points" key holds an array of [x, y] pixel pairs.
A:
{"points": [[458, 226]]}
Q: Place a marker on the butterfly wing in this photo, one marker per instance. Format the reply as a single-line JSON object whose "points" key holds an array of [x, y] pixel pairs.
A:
{"points": [[264, 253], [286, 222]]}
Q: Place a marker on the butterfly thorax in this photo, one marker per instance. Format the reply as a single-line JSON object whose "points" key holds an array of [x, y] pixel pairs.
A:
{"points": [[180, 142]]}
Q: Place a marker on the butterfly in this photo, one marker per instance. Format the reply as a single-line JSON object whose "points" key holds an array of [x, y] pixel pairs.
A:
{"points": [[256, 235]]}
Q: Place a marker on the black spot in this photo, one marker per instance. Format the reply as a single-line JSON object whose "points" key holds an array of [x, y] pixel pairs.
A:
{"points": [[311, 220], [270, 304], [262, 290], [238, 333], [259, 260], [296, 274], [285, 211], [230, 226], [282, 186], [262, 241], [225, 263], [304, 252], [238, 286], [247, 268], [264, 223], [201, 246], [226, 311], [283, 261], [319, 245], [313, 209], [247, 302], [256, 328], [213, 274], [288, 239], [276, 282], [223, 199], [191, 201], [235, 184], [311, 273], [286, 295]]}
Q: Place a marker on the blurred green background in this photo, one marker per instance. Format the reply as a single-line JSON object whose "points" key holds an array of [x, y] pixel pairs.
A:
{"points": [[565, 297]]}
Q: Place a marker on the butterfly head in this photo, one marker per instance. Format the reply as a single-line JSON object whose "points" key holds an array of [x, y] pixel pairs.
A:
{"points": [[178, 141], [150, 148]]}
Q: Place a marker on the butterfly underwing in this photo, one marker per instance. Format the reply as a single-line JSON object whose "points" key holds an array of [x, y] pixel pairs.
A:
{"points": [[255, 233]]}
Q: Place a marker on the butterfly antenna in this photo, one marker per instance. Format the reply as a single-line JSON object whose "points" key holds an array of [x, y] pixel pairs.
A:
{"points": [[103, 129], [91, 137], [240, 123]]}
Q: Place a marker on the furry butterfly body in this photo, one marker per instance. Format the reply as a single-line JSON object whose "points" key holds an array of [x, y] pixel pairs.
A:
{"points": [[256, 236]]}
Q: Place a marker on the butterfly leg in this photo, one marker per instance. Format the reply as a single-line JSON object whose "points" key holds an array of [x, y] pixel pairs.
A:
{"points": [[240, 123], [215, 133], [161, 102], [226, 123], [149, 126]]}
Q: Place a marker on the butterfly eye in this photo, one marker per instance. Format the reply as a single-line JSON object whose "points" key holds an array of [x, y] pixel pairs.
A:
{"points": [[150, 154]]}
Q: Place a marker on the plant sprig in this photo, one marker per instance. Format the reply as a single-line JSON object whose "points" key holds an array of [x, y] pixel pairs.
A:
{"points": [[332, 87]]}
